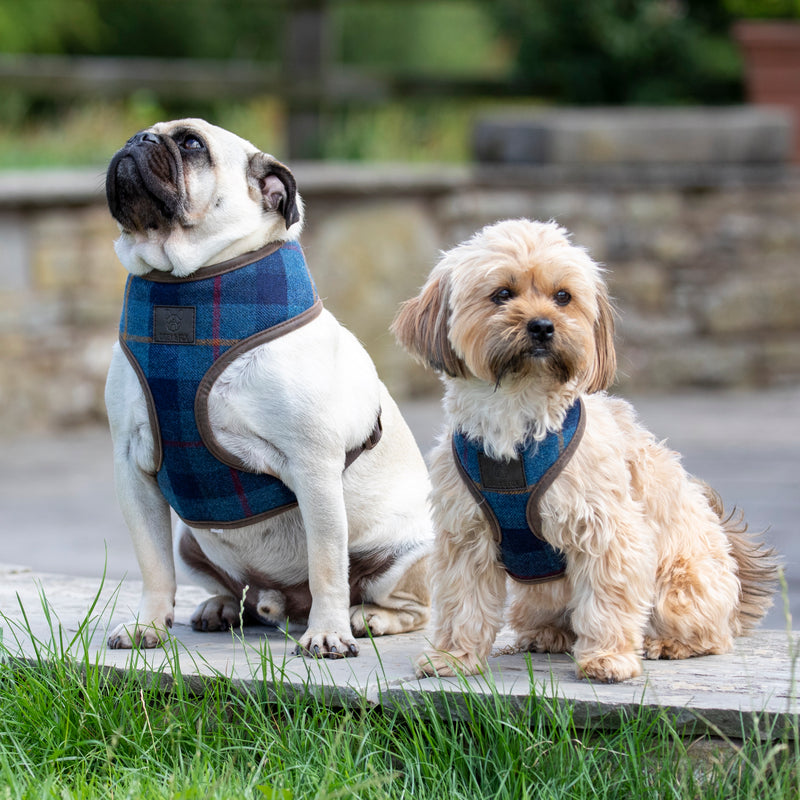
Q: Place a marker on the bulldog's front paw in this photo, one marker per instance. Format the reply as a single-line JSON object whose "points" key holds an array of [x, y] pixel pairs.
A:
{"points": [[134, 634], [322, 644], [446, 665]]}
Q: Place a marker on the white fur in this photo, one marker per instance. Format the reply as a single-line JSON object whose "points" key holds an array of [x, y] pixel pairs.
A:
{"points": [[291, 408], [207, 235]]}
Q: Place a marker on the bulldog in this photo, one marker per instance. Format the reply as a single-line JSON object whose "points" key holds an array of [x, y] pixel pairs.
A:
{"points": [[239, 402]]}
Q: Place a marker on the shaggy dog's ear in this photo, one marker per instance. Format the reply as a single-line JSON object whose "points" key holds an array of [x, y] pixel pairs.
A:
{"points": [[276, 185], [421, 327], [604, 368]]}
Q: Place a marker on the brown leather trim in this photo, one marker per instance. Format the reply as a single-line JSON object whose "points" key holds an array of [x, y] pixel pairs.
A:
{"points": [[151, 406], [124, 332], [475, 491], [532, 513], [350, 457], [157, 276], [239, 523], [546, 579], [216, 369], [372, 440]]}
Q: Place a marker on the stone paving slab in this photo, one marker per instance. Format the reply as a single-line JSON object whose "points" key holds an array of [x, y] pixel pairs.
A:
{"points": [[752, 689]]}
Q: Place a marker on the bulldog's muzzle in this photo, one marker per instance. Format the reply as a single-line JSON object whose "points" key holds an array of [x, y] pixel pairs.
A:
{"points": [[144, 183]]}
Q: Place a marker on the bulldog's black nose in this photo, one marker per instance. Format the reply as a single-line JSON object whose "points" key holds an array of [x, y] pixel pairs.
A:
{"points": [[145, 137], [541, 330]]}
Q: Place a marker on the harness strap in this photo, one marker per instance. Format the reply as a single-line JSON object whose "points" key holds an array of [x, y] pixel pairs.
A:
{"points": [[509, 493], [180, 335], [370, 442]]}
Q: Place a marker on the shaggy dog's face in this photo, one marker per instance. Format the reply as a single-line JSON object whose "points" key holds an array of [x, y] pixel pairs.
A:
{"points": [[517, 301]]}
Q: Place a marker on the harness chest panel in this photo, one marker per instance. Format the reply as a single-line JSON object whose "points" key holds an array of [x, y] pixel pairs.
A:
{"points": [[179, 335], [509, 491]]}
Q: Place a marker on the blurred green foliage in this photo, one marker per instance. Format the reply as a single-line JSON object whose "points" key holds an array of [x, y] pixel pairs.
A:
{"points": [[48, 26], [568, 51], [764, 9], [434, 37], [163, 28], [547, 51], [622, 51], [450, 36]]}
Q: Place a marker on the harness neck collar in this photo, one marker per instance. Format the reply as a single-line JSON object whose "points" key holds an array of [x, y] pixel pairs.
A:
{"points": [[213, 270], [509, 492]]}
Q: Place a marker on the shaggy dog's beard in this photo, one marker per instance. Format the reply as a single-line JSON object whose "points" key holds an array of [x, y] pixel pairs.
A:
{"points": [[516, 355]]}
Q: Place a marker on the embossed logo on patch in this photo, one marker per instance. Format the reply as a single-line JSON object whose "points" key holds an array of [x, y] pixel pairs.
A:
{"points": [[502, 476], [173, 324]]}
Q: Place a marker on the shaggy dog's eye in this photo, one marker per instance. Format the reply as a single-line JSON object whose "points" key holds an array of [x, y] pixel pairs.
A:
{"points": [[502, 296], [192, 142], [562, 297]]}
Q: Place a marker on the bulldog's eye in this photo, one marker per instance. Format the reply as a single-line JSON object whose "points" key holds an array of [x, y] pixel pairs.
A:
{"points": [[562, 297], [502, 296], [192, 143]]}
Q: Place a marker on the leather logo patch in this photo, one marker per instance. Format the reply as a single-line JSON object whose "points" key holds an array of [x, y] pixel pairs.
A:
{"points": [[502, 476], [173, 324]]}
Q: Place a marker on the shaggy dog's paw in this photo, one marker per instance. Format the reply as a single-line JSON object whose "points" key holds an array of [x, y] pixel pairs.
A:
{"points": [[548, 639], [371, 620], [218, 613], [366, 620], [657, 647], [610, 668], [322, 644], [444, 664], [132, 634]]}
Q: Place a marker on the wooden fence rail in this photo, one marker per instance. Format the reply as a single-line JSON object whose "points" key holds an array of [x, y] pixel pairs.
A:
{"points": [[307, 92]]}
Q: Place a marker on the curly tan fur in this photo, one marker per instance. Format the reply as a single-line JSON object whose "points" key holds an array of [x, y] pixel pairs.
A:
{"points": [[654, 566]]}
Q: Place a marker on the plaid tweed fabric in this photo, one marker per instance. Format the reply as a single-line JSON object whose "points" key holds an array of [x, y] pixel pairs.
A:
{"points": [[508, 492], [173, 332]]}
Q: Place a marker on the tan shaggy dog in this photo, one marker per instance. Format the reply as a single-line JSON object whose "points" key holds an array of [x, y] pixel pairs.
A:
{"points": [[518, 321]]}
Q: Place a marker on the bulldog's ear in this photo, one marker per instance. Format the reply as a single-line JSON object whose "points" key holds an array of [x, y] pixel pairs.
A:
{"points": [[276, 186]]}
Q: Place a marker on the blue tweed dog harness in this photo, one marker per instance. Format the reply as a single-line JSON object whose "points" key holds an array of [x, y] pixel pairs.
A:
{"points": [[179, 334], [509, 492]]}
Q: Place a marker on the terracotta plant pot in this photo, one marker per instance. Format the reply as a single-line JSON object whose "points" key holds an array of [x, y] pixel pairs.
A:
{"points": [[771, 53]]}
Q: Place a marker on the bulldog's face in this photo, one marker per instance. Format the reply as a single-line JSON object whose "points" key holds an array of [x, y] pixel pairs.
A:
{"points": [[187, 194]]}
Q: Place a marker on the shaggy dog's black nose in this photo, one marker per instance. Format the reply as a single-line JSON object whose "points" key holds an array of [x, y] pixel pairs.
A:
{"points": [[541, 330]]}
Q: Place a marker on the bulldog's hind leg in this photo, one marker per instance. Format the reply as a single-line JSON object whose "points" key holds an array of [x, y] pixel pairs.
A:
{"points": [[238, 601], [389, 594]]}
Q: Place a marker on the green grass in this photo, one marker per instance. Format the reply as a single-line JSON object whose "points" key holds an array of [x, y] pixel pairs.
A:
{"points": [[70, 728], [88, 134]]}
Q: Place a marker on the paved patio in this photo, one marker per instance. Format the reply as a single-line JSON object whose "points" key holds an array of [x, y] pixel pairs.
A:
{"points": [[60, 523], [749, 690]]}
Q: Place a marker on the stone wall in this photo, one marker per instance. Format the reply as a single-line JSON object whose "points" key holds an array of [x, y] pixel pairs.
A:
{"points": [[705, 270]]}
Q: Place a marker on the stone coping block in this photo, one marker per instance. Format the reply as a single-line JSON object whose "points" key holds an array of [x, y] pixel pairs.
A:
{"points": [[52, 187], [546, 147], [86, 185], [749, 691], [742, 135]]}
